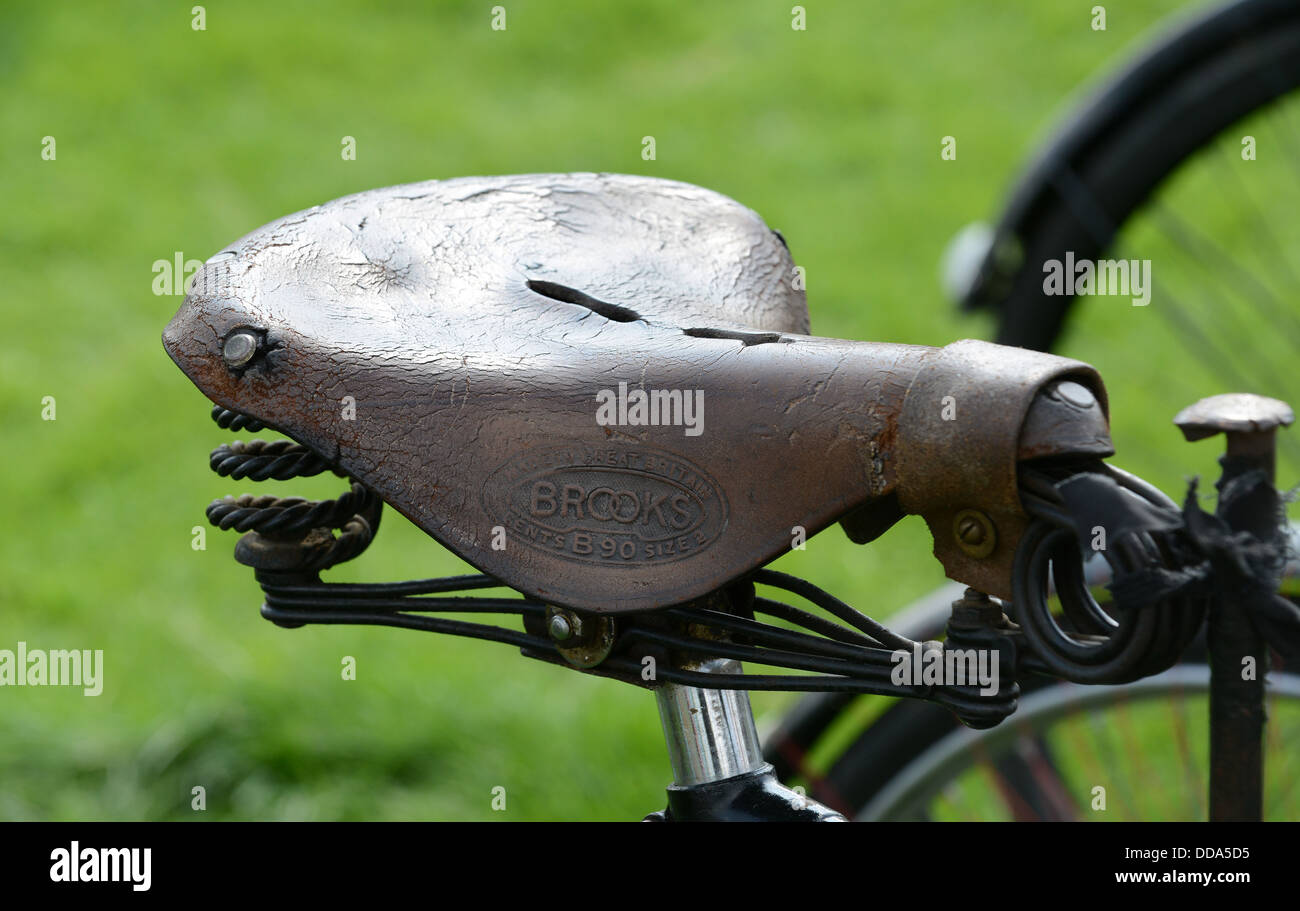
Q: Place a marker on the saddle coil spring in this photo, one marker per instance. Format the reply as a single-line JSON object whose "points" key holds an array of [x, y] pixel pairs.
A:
{"points": [[354, 513]]}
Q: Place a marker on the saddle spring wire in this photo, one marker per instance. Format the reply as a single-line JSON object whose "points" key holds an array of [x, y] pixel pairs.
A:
{"points": [[233, 420], [354, 513], [1093, 647]]}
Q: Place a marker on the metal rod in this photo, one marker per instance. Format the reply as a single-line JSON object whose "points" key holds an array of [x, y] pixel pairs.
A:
{"points": [[1236, 697], [1250, 423]]}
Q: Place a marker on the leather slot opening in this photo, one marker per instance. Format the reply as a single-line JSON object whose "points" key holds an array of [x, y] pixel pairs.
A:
{"points": [[568, 295], [745, 338]]}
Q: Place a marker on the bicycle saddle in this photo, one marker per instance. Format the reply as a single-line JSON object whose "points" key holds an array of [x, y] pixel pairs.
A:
{"points": [[597, 388]]}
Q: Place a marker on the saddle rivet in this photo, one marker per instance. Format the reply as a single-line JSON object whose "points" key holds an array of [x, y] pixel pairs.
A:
{"points": [[1076, 394], [239, 348], [581, 641]]}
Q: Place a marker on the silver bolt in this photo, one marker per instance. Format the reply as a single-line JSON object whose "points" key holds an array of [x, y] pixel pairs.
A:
{"points": [[239, 348], [560, 628]]}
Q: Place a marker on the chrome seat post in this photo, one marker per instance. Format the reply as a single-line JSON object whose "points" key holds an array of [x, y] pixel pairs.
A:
{"points": [[710, 733], [719, 773]]}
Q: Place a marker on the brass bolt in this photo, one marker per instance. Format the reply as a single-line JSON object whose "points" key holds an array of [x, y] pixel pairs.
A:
{"points": [[974, 533], [970, 531]]}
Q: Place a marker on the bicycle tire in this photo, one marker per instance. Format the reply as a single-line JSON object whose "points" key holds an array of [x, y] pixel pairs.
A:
{"points": [[1121, 145]]}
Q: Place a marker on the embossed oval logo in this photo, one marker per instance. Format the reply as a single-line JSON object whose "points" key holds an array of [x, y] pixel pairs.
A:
{"points": [[615, 506]]}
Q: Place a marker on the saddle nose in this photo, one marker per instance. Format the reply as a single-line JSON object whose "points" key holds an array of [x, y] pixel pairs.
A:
{"points": [[189, 340]]}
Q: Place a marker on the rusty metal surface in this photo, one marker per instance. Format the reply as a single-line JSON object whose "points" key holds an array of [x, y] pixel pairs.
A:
{"points": [[445, 343], [957, 448]]}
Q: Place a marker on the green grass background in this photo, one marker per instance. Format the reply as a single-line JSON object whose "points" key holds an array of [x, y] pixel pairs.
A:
{"points": [[172, 140]]}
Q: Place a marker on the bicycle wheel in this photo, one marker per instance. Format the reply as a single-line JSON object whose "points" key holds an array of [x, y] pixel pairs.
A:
{"points": [[1144, 744], [1185, 165], [1084, 753]]}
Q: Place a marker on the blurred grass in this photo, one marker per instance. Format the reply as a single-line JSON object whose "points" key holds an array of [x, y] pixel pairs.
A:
{"points": [[174, 140]]}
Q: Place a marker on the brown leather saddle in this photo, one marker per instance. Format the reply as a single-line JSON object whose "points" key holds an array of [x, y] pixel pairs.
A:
{"points": [[600, 389]]}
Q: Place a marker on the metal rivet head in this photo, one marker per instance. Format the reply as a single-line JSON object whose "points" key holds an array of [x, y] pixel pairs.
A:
{"points": [[240, 347], [1233, 412], [1076, 394]]}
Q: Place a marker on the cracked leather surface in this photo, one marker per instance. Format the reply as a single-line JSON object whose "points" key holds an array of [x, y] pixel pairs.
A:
{"points": [[446, 312]]}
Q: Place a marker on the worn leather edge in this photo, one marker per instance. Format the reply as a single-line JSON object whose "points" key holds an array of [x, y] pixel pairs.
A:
{"points": [[957, 447]]}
